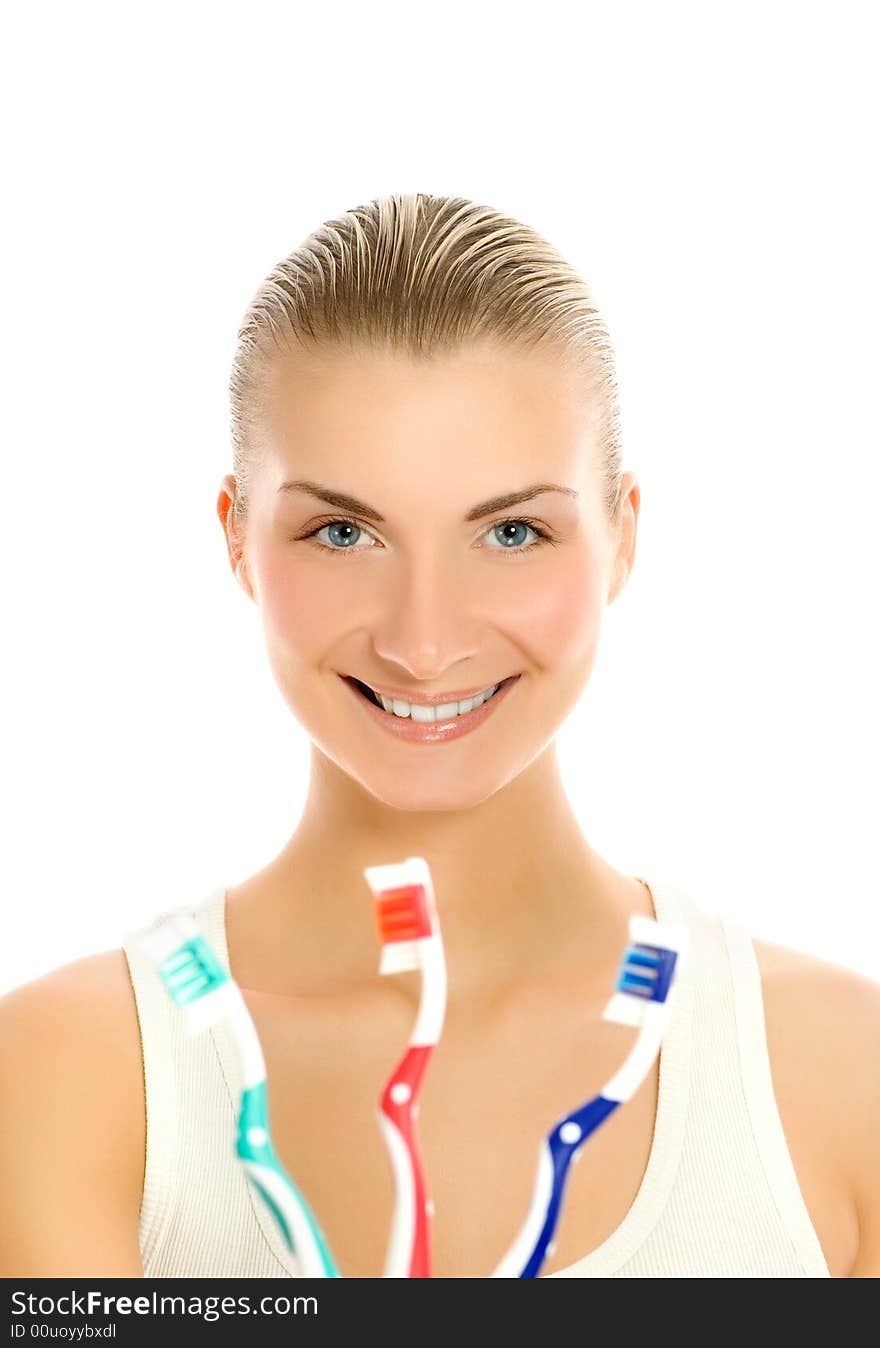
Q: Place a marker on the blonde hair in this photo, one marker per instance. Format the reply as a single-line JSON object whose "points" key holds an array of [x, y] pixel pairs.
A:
{"points": [[421, 275]]}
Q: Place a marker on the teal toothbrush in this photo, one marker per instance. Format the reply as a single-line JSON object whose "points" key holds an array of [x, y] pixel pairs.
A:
{"points": [[197, 983]]}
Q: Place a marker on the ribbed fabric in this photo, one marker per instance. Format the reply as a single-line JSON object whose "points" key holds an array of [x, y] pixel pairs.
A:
{"points": [[719, 1198]]}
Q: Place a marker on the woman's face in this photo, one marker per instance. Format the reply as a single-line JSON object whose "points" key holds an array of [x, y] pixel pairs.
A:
{"points": [[409, 590]]}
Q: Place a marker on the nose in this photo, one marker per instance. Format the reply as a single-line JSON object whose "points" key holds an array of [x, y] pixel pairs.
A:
{"points": [[427, 623]]}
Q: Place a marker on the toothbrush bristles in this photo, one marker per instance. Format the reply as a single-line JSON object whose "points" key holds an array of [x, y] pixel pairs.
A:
{"points": [[186, 975], [646, 971], [402, 914]]}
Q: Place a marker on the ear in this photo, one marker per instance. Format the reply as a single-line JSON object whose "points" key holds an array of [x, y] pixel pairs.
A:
{"points": [[624, 537], [233, 534]]}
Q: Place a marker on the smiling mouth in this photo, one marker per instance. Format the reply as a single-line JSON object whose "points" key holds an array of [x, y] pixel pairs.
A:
{"points": [[366, 691]]}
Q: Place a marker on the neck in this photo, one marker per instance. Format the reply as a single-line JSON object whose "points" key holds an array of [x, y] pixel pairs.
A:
{"points": [[520, 893]]}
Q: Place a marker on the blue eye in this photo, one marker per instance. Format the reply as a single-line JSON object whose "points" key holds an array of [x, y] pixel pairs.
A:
{"points": [[508, 543], [344, 532], [345, 529]]}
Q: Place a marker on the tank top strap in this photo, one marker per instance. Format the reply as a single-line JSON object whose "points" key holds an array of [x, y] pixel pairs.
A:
{"points": [[163, 1041], [754, 1066]]}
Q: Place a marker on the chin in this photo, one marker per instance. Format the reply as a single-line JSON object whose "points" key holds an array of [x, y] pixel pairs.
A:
{"points": [[425, 791], [427, 794], [429, 798]]}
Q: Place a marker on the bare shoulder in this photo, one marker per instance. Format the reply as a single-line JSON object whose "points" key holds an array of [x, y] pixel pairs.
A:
{"points": [[823, 1041], [73, 1122]]}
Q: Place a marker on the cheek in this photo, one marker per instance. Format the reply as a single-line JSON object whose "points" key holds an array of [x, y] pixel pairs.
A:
{"points": [[559, 611], [298, 604]]}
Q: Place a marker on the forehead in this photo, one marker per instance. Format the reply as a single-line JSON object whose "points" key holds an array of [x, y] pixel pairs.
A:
{"points": [[484, 400]]}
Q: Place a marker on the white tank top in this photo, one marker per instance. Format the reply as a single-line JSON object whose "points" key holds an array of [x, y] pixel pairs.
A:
{"points": [[719, 1197]]}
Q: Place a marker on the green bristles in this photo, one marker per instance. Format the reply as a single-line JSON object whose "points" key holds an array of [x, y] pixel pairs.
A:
{"points": [[192, 971]]}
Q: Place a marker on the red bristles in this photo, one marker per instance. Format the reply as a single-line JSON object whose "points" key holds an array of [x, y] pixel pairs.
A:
{"points": [[402, 914]]}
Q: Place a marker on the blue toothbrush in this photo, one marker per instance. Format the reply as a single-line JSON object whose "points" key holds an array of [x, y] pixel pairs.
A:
{"points": [[641, 998]]}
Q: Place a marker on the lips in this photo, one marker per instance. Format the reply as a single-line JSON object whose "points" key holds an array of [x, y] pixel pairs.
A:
{"points": [[439, 732]]}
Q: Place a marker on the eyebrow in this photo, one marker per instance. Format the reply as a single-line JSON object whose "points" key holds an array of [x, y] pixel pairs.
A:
{"points": [[477, 512]]}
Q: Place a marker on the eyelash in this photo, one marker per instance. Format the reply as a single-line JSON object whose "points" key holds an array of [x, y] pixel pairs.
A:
{"points": [[543, 535]]}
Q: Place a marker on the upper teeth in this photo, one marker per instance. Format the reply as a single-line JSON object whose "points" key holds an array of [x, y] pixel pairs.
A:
{"points": [[440, 713]]}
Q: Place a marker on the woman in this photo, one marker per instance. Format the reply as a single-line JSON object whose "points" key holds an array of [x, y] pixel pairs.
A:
{"points": [[428, 501]]}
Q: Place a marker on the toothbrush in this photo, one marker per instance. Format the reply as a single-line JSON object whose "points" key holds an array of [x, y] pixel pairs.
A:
{"points": [[197, 982], [406, 917], [648, 973]]}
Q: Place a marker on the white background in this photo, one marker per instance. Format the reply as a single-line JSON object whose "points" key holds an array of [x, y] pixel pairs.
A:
{"points": [[711, 170]]}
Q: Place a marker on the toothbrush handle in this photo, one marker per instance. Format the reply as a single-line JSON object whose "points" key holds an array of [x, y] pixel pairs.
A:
{"points": [[564, 1143], [409, 1247], [288, 1207], [557, 1152]]}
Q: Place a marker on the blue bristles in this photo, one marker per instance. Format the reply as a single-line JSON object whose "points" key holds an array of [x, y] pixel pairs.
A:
{"points": [[646, 971]]}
